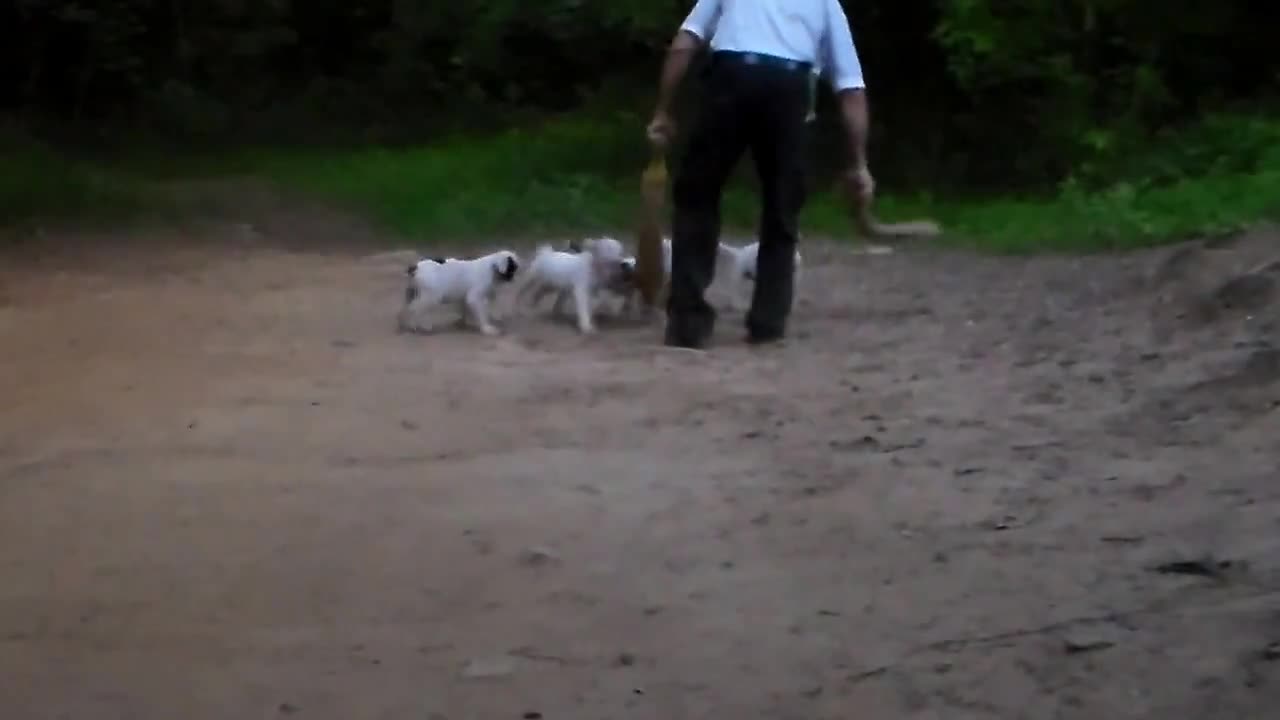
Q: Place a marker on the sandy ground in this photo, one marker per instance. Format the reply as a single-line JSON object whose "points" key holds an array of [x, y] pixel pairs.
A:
{"points": [[228, 489]]}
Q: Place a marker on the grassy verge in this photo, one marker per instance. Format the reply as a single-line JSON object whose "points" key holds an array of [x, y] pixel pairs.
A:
{"points": [[583, 177], [37, 183]]}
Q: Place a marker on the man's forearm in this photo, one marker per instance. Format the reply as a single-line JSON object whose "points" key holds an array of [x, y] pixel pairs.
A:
{"points": [[853, 109], [675, 67]]}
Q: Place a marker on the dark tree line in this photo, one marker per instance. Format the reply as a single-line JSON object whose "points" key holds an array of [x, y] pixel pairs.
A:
{"points": [[977, 89]]}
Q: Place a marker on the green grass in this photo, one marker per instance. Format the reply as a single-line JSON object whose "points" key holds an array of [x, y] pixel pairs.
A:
{"points": [[38, 184], [582, 177]]}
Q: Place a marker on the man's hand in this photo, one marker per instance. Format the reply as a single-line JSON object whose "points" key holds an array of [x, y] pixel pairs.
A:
{"points": [[860, 185], [661, 130], [853, 111], [860, 189]]}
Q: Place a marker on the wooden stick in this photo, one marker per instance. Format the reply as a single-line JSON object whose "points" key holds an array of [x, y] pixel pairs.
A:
{"points": [[650, 274], [866, 223]]}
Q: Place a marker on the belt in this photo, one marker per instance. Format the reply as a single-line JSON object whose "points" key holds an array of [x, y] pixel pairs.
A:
{"points": [[737, 57]]}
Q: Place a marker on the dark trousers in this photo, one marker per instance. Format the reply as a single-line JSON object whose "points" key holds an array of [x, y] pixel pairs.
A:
{"points": [[762, 108]]}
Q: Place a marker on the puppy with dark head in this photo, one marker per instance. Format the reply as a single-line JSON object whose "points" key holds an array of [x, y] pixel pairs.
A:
{"points": [[626, 272], [620, 280], [624, 284], [472, 284], [505, 268]]}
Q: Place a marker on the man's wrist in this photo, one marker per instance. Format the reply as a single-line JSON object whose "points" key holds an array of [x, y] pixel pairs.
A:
{"points": [[858, 157]]}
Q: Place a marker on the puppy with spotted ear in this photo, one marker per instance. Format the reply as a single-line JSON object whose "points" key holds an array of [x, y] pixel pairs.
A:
{"points": [[624, 279], [624, 284], [573, 274], [620, 281], [612, 269], [621, 284], [470, 285], [737, 265]]}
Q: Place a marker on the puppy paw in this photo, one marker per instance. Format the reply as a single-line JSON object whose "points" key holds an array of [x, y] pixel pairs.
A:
{"points": [[490, 330]]}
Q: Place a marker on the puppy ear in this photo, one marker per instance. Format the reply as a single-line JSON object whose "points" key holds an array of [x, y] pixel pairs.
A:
{"points": [[575, 246], [438, 260]]}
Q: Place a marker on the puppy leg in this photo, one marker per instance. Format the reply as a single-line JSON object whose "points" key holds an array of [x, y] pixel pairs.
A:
{"points": [[558, 307], [651, 313], [733, 289], [743, 286], [600, 299], [413, 316], [537, 294], [623, 306], [562, 296], [733, 282], [582, 302], [496, 313], [478, 301], [526, 291], [540, 295], [404, 316], [628, 303]]}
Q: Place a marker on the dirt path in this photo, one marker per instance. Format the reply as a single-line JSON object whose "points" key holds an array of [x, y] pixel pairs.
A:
{"points": [[229, 490]]}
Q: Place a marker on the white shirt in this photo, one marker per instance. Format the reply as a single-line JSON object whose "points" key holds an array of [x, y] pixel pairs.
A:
{"points": [[815, 31]]}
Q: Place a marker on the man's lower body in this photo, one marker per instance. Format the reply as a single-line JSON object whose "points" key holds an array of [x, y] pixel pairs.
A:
{"points": [[758, 106]]}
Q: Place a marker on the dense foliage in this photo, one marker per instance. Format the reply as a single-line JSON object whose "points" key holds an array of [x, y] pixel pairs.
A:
{"points": [[975, 90]]}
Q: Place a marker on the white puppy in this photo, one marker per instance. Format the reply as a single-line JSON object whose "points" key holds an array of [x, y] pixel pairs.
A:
{"points": [[577, 274], [621, 280], [624, 283], [472, 284], [737, 265]]}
